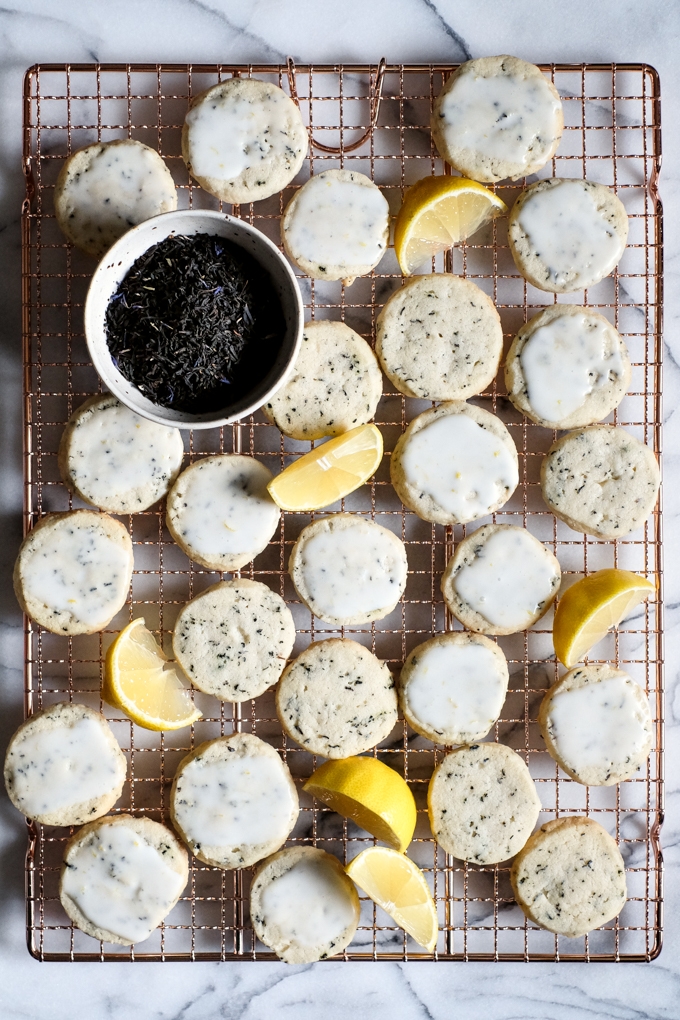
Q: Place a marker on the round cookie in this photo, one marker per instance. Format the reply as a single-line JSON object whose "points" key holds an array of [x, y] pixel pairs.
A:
{"points": [[106, 188], [570, 877], [600, 480], [73, 571], [597, 725], [303, 905], [497, 117], [336, 227], [121, 877], [482, 803], [454, 464], [63, 766], [220, 513], [243, 140], [567, 235], [335, 386], [347, 569], [233, 801], [567, 367], [115, 460], [336, 699], [439, 337], [233, 639], [500, 580], [452, 687]]}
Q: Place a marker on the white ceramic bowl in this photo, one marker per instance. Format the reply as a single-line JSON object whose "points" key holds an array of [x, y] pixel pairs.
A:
{"points": [[118, 260]]}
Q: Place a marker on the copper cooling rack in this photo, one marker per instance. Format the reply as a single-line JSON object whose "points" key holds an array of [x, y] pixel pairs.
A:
{"points": [[374, 120]]}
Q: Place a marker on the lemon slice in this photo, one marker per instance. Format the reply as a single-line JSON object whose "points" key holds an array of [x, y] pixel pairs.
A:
{"points": [[439, 212], [397, 885], [590, 607], [329, 472], [144, 684], [370, 793]]}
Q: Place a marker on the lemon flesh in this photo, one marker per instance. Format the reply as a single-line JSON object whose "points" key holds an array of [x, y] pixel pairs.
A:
{"points": [[591, 607], [370, 793], [329, 472], [397, 885], [144, 684], [439, 212]]}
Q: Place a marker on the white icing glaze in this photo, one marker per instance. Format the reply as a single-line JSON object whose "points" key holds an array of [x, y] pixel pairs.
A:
{"points": [[310, 903], [128, 182]]}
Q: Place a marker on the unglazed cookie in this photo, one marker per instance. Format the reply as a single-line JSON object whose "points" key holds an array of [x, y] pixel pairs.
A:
{"points": [[567, 367], [500, 580], [439, 337]]}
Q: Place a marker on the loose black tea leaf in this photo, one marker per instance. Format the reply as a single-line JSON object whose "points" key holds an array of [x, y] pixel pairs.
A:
{"points": [[195, 323]]}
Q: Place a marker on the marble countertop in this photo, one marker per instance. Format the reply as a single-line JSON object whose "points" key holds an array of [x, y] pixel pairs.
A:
{"points": [[269, 30]]}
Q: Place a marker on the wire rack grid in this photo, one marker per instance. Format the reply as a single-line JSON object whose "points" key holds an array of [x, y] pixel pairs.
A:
{"points": [[374, 120]]}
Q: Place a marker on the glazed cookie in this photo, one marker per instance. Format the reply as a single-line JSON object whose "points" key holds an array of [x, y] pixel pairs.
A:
{"points": [[597, 725], [497, 117], [335, 386], [439, 337], [455, 463], [347, 569], [73, 571], [336, 227], [303, 905], [567, 367], [500, 580], [567, 235], [106, 188], [482, 803], [63, 766], [452, 687], [600, 480], [233, 639], [570, 877], [233, 801], [336, 699], [243, 140], [121, 877], [220, 513]]}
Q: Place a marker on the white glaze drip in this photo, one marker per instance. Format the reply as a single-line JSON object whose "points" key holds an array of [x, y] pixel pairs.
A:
{"points": [[310, 904], [124, 184]]}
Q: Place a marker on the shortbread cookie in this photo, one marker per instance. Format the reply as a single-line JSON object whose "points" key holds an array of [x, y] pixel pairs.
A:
{"points": [[335, 386], [347, 569], [482, 803], [336, 699], [600, 480], [106, 188], [121, 877], [233, 640], [115, 460], [567, 235], [439, 337], [567, 367], [336, 227], [597, 725], [570, 877], [497, 117], [243, 140], [63, 766], [73, 571], [500, 580], [303, 905], [233, 801], [455, 463], [452, 687], [220, 513]]}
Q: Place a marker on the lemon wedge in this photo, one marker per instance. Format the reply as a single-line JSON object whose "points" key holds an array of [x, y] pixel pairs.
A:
{"points": [[329, 472], [370, 793], [397, 885], [144, 684], [591, 607], [439, 212]]}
